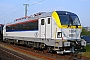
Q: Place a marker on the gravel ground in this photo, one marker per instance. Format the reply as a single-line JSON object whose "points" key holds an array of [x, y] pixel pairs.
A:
{"points": [[16, 53], [5, 56], [23, 53]]}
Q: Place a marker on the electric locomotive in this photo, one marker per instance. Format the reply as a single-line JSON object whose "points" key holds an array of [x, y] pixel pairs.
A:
{"points": [[57, 31]]}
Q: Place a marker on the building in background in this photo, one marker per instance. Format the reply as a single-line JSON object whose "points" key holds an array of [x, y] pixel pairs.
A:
{"points": [[87, 28]]}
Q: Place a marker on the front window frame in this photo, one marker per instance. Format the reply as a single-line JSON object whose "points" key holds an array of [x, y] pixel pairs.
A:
{"points": [[69, 20]]}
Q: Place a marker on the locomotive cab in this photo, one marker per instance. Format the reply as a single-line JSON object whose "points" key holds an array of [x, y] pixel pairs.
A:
{"points": [[69, 29]]}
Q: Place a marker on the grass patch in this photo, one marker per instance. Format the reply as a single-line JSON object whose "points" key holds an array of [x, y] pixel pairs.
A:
{"points": [[87, 48], [87, 53]]}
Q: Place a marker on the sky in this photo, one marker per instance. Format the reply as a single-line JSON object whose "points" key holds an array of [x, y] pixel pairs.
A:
{"points": [[13, 9]]}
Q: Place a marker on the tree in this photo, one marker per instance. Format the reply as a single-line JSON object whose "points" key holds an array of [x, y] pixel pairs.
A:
{"points": [[85, 32]]}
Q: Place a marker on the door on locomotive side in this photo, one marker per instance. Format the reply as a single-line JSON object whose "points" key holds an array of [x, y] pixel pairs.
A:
{"points": [[48, 27], [45, 27], [42, 28]]}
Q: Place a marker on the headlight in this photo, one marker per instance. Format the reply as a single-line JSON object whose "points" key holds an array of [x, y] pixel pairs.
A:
{"points": [[83, 43]]}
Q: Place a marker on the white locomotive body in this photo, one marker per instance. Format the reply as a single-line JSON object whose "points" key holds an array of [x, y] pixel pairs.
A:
{"points": [[56, 31]]}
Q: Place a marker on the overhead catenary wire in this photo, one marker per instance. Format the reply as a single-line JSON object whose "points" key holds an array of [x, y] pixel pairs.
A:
{"points": [[13, 8], [21, 9], [27, 5], [12, 13], [36, 2]]}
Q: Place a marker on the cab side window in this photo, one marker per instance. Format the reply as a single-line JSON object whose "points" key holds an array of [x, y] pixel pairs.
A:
{"points": [[48, 20], [42, 21]]}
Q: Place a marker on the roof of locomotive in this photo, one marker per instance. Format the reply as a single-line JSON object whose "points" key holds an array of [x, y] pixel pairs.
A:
{"points": [[14, 24], [37, 16], [58, 12], [65, 13], [46, 14]]}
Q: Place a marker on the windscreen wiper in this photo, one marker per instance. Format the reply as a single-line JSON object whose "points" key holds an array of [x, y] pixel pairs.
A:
{"points": [[71, 20]]}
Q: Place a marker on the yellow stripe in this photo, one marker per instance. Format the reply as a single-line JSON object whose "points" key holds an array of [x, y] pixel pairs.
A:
{"points": [[66, 26], [56, 18]]}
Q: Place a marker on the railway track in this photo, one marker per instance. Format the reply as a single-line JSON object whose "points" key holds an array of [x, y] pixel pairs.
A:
{"points": [[11, 54], [34, 54]]}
